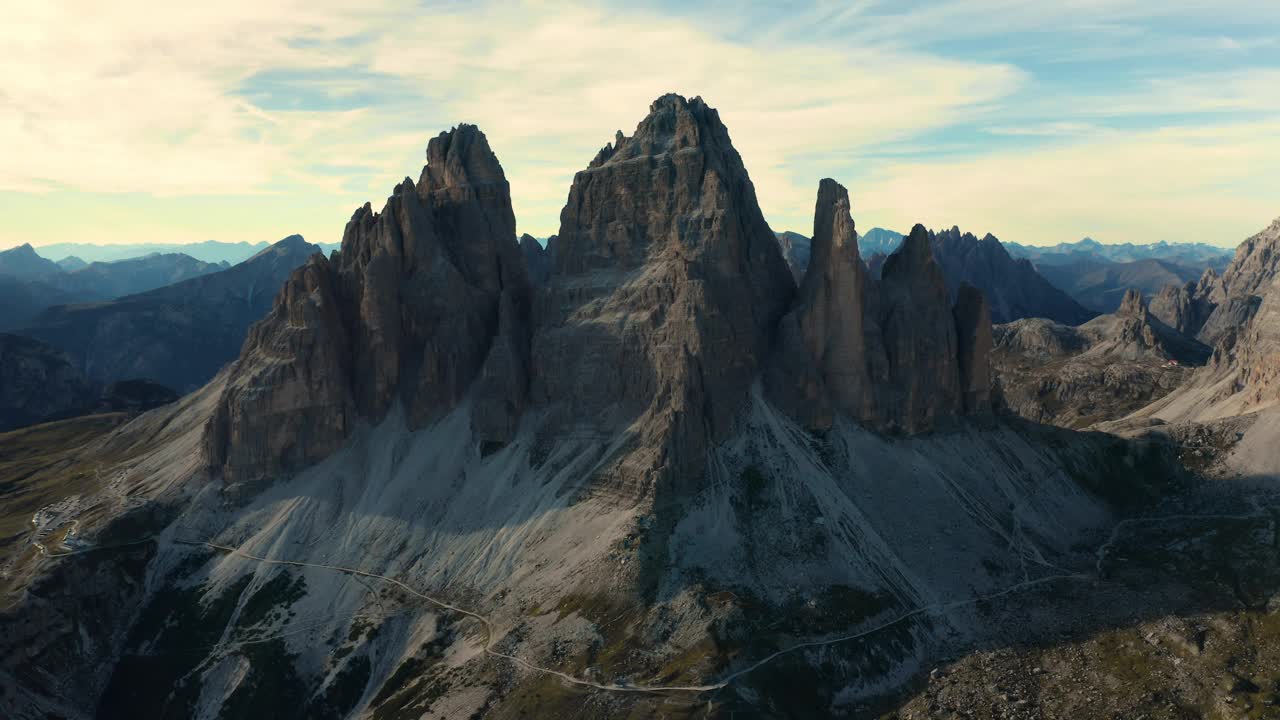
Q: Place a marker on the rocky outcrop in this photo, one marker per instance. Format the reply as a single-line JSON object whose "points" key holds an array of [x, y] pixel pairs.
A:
{"points": [[974, 338], [919, 336], [1216, 307], [1181, 307], [892, 353], [1096, 372], [424, 298], [667, 287], [536, 259], [1013, 288], [796, 250], [823, 358]]}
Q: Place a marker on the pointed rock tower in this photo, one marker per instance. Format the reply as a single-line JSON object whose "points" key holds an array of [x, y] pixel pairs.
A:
{"points": [[822, 361], [891, 353], [974, 341], [424, 298], [666, 287], [919, 336]]}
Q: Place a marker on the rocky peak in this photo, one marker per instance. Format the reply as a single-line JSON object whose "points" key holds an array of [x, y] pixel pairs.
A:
{"points": [[835, 239], [919, 336], [289, 246], [914, 258], [24, 261], [1207, 280], [460, 158], [1217, 306], [822, 359], [666, 288], [424, 299], [683, 147], [1132, 305], [796, 250], [893, 354], [537, 259], [1133, 332]]}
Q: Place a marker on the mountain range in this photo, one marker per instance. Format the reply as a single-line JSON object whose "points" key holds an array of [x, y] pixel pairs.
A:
{"points": [[33, 283], [1100, 285], [178, 335], [210, 251], [1194, 254], [1013, 288], [638, 471], [39, 383]]}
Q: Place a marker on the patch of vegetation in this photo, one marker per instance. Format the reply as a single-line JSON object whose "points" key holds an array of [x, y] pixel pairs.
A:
{"points": [[754, 484], [345, 691], [272, 689], [280, 591], [1126, 474], [416, 684], [156, 677], [360, 627], [614, 617], [543, 696]]}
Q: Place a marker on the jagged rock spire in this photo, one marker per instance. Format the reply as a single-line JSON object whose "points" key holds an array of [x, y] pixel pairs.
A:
{"points": [[919, 337], [667, 286], [893, 354], [424, 298], [822, 360], [974, 343]]}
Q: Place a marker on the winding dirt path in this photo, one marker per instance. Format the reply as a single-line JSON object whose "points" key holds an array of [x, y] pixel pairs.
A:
{"points": [[622, 687]]}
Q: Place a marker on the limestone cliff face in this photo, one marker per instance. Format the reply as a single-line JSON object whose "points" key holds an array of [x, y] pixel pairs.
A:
{"points": [[666, 288], [974, 340], [1176, 306], [537, 259], [919, 338], [1241, 311], [657, 306], [894, 353], [822, 362], [1217, 306], [423, 298]]}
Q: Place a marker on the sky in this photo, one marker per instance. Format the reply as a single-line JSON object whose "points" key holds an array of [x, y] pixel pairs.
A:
{"points": [[1123, 120]]}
